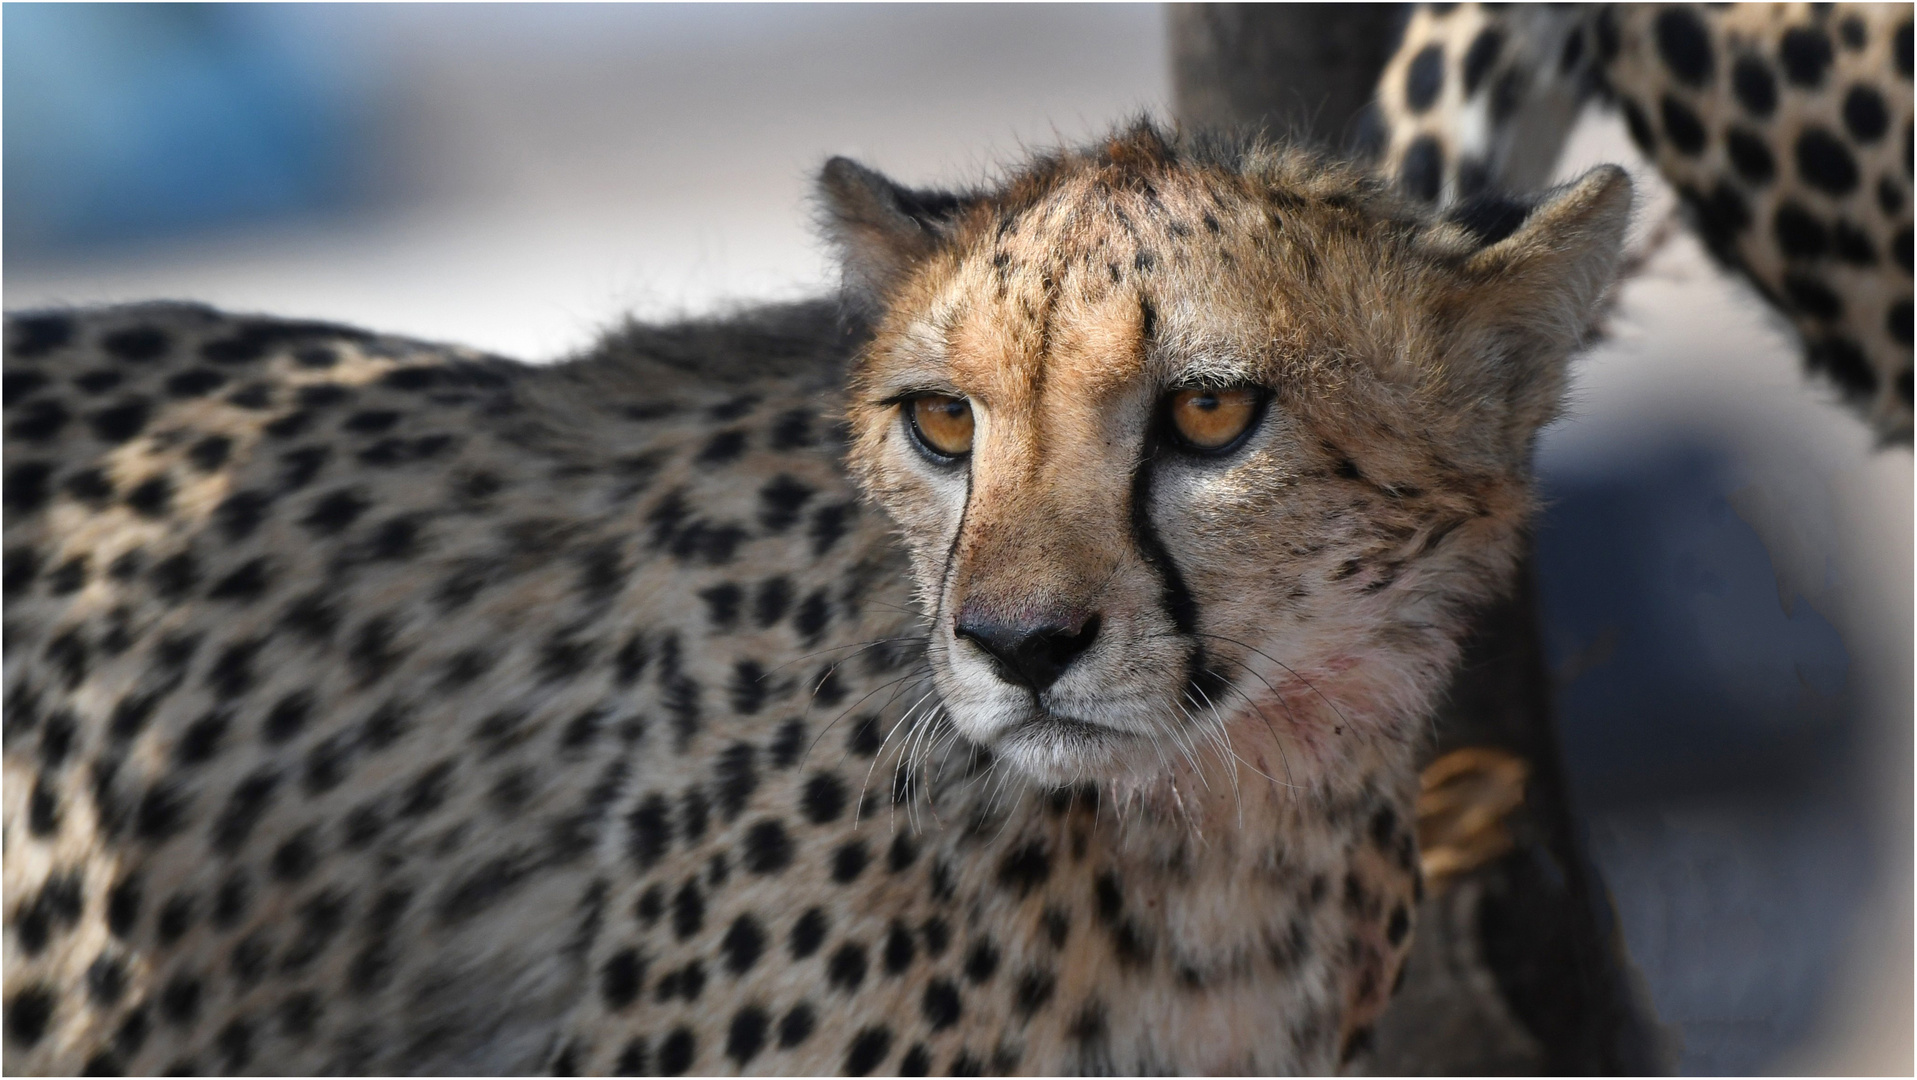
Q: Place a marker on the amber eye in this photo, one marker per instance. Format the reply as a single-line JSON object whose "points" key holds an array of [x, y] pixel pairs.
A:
{"points": [[942, 423], [1207, 419]]}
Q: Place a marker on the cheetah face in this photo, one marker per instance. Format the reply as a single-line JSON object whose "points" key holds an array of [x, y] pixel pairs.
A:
{"points": [[1202, 466]]}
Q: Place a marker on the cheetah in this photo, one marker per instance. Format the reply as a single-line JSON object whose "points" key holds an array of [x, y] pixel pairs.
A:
{"points": [[1785, 130], [1017, 665]]}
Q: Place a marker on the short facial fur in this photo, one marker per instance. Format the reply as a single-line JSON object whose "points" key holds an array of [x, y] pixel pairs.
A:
{"points": [[1290, 604]]}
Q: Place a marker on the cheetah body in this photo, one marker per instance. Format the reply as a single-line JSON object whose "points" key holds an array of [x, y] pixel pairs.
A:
{"points": [[382, 707], [1784, 128]]}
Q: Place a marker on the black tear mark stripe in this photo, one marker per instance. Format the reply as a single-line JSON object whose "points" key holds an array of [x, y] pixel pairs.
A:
{"points": [[1174, 595]]}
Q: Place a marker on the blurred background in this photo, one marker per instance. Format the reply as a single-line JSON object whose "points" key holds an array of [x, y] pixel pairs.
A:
{"points": [[1725, 565]]}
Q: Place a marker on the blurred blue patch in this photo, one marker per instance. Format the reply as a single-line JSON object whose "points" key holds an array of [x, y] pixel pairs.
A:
{"points": [[125, 121], [1678, 668]]}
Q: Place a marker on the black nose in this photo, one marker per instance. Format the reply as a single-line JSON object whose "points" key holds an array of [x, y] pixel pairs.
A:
{"points": [[1031, 654]]}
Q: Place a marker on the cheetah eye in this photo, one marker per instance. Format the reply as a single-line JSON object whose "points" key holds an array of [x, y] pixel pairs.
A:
{"points": [[1208, 419], [942, 424]]}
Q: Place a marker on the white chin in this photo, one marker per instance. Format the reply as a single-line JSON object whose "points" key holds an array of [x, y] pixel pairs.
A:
{"points": [[1055, 751]]}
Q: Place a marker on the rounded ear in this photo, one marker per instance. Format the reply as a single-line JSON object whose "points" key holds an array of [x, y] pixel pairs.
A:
{"points": [[881, 229], [1529, 295]]}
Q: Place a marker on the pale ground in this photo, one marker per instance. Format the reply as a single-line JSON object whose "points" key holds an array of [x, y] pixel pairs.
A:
{"points": [[560, 168]]}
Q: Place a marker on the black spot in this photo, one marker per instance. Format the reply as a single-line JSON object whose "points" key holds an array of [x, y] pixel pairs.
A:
{"points": [[106, 980], [27, 486], [1720, 217], [620, 978], [747, 1035], [302, 465], [1422, 174], [1399, 926], [1684, 45], [808, 933], [829, 523], [1424, 78], [981, 961], [121, 422], [797, 1026], [1900, 48], [1573, 51], [771, 601], [335, 512], [1751, 156], [845, 968], [1480, 56], [37, 335], [899, 951], [1845, 363], [1025, 868], [300, 1014], [22, 565], [693, 814], [917, 1061], [1056, 923], [71, 654], [722, 605], [742, 945], [138, 344], [175, 919], [941, 1006], [289, 426], [1806, 53], [1851, 244], [1812, 297], [1682, 126], [1900, 249], [867, 1049], [27, 1014], [89, 486], [768, 848], [676, 1052], [371, 421], [813, 614], [427, 791], [1865, 114], [1897, 325], [823, 798], [722, 447], [1638, 125], [245, 584], [1824, 162], [1033, 992], [68, 577], [1799, 235], [152, 497], [865, 736], [296, 858], [180, 1000], [938, 935], [210, 453], [99, 381], [688, 909], [161, 813]]}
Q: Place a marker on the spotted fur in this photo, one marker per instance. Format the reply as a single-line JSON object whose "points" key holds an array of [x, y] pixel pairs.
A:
{"points": [[382, 707], [1785, 128]]}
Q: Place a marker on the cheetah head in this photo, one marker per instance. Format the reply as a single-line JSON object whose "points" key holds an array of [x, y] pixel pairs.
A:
{"points": [[1205, 455]]}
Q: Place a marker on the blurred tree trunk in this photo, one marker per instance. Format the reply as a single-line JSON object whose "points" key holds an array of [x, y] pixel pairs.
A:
{"points": [[1302, 70], [1518, 966]]}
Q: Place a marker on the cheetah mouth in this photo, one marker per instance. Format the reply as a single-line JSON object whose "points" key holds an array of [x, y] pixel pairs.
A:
{"points": [[1051, 744]]}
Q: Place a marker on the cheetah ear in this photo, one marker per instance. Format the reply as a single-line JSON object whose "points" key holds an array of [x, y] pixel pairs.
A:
{"points": [[1532, 288], [881, 229]]}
